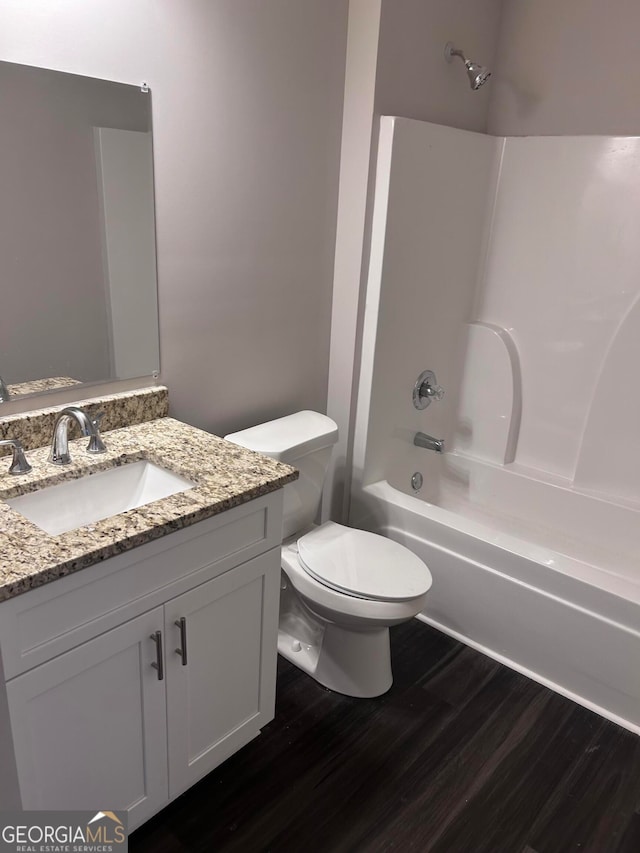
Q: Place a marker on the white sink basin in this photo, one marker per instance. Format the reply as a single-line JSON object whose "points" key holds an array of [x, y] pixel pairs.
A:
{"points": [[91, 498]]}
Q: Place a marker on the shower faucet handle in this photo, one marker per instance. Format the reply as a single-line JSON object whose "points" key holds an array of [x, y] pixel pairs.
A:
{"points": [[426, 389]]}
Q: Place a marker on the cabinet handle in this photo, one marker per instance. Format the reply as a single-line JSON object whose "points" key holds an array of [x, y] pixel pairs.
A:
{"points": [[182, 624], [157, 663]]}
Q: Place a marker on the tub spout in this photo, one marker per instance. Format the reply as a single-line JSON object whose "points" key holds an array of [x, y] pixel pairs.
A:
{"points": [[421, 439]]}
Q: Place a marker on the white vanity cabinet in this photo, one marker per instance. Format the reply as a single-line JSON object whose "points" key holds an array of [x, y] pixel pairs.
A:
{"points": [[128, 681], [90, 726], [221, 697]]}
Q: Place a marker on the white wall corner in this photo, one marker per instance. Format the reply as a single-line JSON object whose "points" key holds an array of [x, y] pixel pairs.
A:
{"points": [[355, 157]]}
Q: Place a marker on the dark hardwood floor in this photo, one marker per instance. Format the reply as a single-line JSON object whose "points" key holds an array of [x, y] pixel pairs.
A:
{"points": [[461, 756]]}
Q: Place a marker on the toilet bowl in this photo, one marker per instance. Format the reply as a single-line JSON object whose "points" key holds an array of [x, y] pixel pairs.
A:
{"points": [[340, 636], [342, 589]]}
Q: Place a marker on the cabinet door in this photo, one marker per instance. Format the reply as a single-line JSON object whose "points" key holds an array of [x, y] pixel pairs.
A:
{"points": [[220, 697], [89, 726]]}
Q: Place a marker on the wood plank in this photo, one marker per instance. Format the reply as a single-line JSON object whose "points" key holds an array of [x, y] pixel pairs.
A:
{"points": [[607, 771], [461, 756]]}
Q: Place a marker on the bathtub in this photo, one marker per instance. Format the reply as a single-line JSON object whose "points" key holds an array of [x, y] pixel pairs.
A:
{"points": [[533, 573]]}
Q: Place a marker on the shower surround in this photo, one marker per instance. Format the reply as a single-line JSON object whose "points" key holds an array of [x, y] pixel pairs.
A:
{"points": [[511, 267]]}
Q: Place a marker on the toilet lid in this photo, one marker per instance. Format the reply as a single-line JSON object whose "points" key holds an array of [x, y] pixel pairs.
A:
{"points": [[362, 564]]}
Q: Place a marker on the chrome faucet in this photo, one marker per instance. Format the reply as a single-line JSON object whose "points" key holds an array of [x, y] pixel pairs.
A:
{"points": [[421, 439], [19, 464], [90, 427], [4, 391]]}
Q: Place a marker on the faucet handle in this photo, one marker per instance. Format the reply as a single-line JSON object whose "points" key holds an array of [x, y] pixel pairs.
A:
{"points": [[426, 389], [19, 464], [96, 444], [96, 420]]}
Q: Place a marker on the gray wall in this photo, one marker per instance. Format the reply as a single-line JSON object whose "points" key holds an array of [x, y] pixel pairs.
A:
{"points": [[567, 67], [413, 79], [247, 101]]}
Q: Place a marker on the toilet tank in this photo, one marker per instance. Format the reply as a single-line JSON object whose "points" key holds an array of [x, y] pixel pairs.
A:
{"points": [[304, 440]]}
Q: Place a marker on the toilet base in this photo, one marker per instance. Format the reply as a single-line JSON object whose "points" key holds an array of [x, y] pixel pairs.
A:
{"points": [[354, 663]]}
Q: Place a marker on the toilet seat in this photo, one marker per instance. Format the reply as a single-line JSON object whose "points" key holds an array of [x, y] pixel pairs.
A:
{"points": [[361, 564]]}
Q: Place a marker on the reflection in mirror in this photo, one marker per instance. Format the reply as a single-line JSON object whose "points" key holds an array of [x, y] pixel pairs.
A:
{"points": [[77, 231]]}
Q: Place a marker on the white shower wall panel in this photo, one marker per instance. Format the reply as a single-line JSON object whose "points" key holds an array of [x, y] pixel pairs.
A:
{"points": [[528, 241], [562, 273], [434, 187]]}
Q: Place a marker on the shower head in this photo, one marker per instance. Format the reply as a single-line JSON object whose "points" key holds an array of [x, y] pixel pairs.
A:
{"points": [[477, 74]]}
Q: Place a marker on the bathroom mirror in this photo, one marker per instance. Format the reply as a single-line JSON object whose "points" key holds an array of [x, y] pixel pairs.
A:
{"points": [[77, 231]]}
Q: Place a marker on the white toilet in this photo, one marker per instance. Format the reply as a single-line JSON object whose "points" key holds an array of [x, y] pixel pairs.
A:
{"points": [[341, 588]]}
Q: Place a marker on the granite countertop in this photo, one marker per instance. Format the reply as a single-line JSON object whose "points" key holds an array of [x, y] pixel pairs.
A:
{"points": [[225, 475], [37, 386]]}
